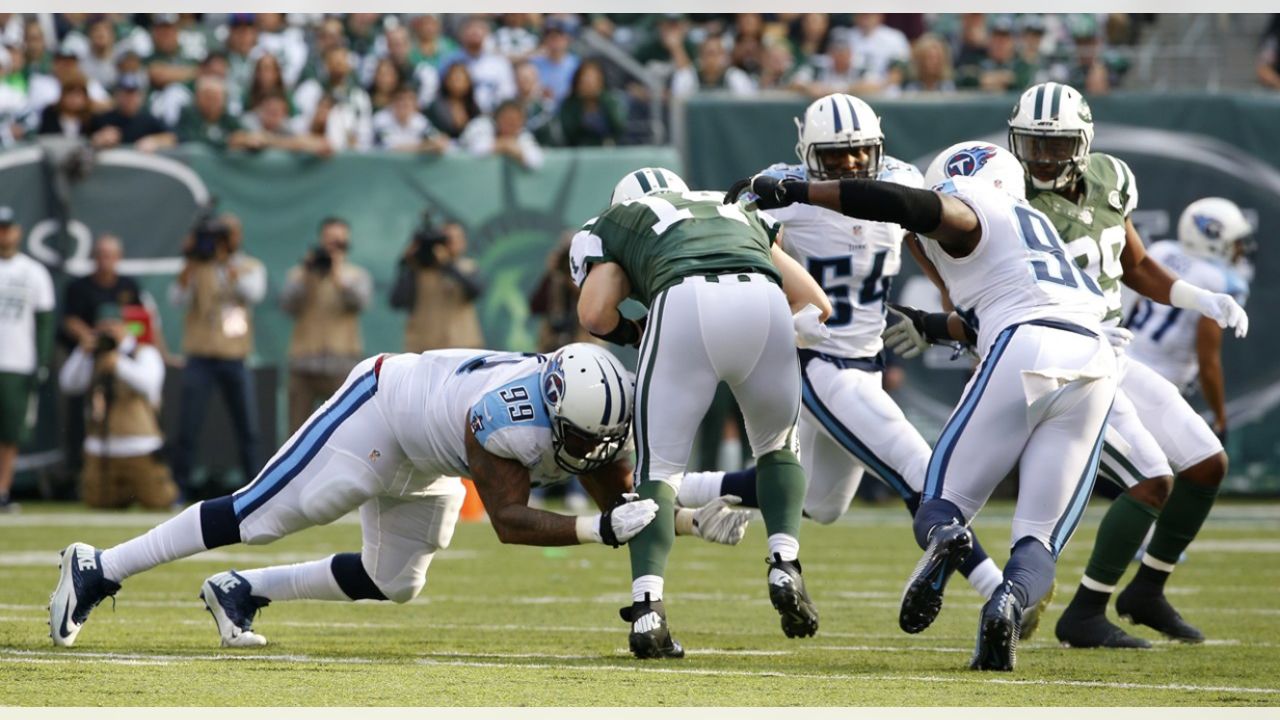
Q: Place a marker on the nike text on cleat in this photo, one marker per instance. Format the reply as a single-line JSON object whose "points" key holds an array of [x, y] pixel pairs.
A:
{"points": [[229, 599], [998, 629], [81, 586], [1092, 629], [949, 547], [789, 598], [1031, 618], [650, 637], [1145, 605]]}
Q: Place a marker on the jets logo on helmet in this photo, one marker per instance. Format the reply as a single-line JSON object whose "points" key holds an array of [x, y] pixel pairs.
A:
{"points": [[978, 160], [970, 160], [1050, 132], [645, 181], [1214, 228], [840, 136], [588, 395]]}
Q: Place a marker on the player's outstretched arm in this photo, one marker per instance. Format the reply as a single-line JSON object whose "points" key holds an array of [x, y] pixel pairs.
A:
{"points": [[1146, 276], [1212, 385], [799, 286], [944, 219], [504, 488]]}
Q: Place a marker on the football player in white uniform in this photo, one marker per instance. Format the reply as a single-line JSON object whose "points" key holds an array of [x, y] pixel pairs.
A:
{"points": [[1090, 197], [392, 442], [1040, 398], [849, 423], [1181, 346]]}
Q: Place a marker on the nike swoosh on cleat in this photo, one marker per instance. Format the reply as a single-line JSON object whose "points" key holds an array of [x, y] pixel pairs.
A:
{"points": [[66, 613]]}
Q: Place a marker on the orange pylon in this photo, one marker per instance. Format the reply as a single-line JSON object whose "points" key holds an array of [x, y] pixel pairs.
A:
{"points": [[472, 508]]}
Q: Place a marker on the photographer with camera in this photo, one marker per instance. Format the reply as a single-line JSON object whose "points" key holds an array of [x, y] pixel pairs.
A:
{"points": [[122, 375], [218, 285], [325, 295], [439, 287]]}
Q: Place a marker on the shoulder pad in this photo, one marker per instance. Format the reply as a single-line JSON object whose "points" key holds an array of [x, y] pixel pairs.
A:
{"points": [[903, 173]]}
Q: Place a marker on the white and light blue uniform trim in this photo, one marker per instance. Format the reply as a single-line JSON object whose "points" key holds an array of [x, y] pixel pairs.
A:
{"points": [[1066, 526]]}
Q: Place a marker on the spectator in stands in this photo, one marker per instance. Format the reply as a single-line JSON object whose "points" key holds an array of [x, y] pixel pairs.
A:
{"points": [[971, 50], [330, 33], [69, 116], [503, 134], [591, 115], [881, 51], [242, 55], [387, 80], [491, 73], [268, 126], [430, 44], [931, 69], [555, 63], [37, 56], [217, 288], [396, 48], [439, 286], [1268, 68], [1030, 63], [362, 32], [27, 339], [747, 40], [350, 122], [207, 120], [325, 295], [538, 107], [168, 62], [517, 36], [1090, 70], [809, 36], [711, 72], [831, 73], [99, 63], [15, 111], [999, 69], [456, 104], [121, 376], [401, 127], [265, 80], [130, 123], [286, 43], [44, 89], [777, 66], [669, 46]]}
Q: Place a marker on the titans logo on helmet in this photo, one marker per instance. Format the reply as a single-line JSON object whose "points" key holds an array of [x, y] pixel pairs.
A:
{"points": [[969, 160], [553, 383], [1209, 226]]}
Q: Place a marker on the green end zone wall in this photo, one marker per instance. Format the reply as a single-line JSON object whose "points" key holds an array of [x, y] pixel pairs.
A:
{"points": [[1181, 147]]}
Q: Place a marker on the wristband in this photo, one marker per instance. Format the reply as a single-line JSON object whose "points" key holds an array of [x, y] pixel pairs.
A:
{"points": [[935, 328], [626, 332], [588, 528], [684, 522]]}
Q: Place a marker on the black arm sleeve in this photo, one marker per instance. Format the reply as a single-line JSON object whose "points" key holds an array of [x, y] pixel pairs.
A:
{"points": [[919, 211]]}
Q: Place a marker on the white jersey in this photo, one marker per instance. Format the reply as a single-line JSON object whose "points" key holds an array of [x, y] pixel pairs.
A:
{"points": [[1018, 271], [1164, 337], [25, 289], [853, 260], [432, 398]]}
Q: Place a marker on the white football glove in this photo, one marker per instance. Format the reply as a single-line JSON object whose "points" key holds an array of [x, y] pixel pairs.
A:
{"points": [[1219, 307], [902, 337], [716, 522], [809, 329], [1118, 337], [619, 524]]}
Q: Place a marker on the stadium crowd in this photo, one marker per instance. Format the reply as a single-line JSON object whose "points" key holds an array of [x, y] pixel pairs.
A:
{"points": [[506, 84]]}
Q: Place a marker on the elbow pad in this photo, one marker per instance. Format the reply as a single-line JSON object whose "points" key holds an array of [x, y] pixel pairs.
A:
{"points": [[919, 211]]}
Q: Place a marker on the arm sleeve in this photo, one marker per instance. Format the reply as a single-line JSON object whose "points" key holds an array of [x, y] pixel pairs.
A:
{"points": [[585, 249], [76, 372], [1126, 185]]}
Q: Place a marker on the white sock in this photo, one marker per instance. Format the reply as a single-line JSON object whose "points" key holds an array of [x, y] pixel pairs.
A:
{"points": [[178, 537], [986, 578], [646, 584], [699, 488], [302, 581], [786, 547]]}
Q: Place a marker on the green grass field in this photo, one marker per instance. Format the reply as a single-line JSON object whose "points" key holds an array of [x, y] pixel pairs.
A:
{"points": [[528, 626]]}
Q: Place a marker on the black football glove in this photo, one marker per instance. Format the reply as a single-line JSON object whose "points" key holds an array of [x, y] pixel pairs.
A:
{"points": [[770, 192]]}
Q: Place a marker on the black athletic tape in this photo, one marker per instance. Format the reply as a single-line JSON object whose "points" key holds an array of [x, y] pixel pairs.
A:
{"points": [[919, 211]]}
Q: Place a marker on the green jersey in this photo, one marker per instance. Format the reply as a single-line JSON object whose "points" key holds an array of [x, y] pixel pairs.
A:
{"points": [[661, 239], [1094, 227]]}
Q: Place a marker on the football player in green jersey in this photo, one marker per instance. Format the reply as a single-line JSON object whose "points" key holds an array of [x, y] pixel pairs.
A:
{"points": [[1153, 432], [720, 294]]}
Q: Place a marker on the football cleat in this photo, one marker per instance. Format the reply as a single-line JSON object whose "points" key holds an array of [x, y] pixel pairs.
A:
{"points": [[998, 630], [1144, 605], [1031, 618], [1079, 629], [230, 600], [789, 598], [81, 586], [650, 637], [949, 547]]}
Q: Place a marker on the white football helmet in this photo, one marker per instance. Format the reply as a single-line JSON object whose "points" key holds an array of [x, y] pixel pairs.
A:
{"points": [[981, 160], [1213, 227], [839, 122], [645, 181], [1050, 131], [588, 395]]}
